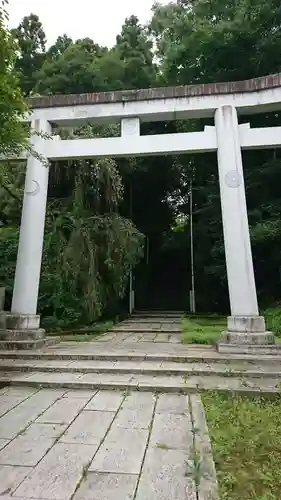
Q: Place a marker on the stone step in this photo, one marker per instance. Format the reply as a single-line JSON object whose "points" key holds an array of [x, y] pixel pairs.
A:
{"points": [[144, 330], [143, 367], [92, 351], [18, 345], [155, 314], [152, 319], [142, 382], [159, 312], [257, 349]]}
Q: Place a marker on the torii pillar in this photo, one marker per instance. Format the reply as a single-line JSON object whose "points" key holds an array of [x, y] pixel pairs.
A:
{"points": [[245, 327]]}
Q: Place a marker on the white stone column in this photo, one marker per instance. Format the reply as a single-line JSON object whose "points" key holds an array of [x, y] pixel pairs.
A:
{"points": [[27, 277], [244, 325]]}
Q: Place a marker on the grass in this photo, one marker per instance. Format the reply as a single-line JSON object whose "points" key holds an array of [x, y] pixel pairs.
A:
{"points": [[246, 440], [202, 330], [207, 329]]}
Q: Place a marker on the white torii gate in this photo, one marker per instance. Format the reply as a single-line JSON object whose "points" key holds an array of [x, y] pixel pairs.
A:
{"points": [[224, 102]]}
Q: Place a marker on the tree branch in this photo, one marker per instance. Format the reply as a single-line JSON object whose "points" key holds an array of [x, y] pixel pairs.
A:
{"points": [[10, 192]]}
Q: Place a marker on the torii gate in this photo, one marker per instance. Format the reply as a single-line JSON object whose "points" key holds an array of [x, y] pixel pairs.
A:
{"points": [[223, 101]]}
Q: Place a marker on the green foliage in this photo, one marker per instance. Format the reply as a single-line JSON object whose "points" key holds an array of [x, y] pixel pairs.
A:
{"points": [[246, 441], [89, 247], [273, 320], [71, 68], [8, 252], [31, 43], [135, 51], [217, 40], [13, 133]]}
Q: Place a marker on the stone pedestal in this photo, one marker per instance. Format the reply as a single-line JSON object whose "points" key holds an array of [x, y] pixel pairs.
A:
{"points": [[21, 331], [245, 333]]}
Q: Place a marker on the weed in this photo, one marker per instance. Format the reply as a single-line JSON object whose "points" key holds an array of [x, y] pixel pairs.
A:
{"points": [[194, 467], [162, 446]]}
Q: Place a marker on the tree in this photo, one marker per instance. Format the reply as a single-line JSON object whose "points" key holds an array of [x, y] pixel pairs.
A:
{"points": [[217, 40], [58, 48], [75, 70], [31, 40], [13, 133], [135, 50]]}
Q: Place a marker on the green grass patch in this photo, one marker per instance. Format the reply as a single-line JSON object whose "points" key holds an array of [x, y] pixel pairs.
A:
{"points": [[246, 440], [202, 330]]}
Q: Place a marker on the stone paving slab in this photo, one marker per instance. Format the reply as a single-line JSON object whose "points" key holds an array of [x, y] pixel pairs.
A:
{"points": [[164, 476], [11, 477], [134, 338], [9, 402], [87, 395], [139, 401], [134, 419], [107, 487], [24, 451], [58, 474], [105, 401], [122, 452], [172, 431], [63, 411], [162, 337], [89, 427], [19, 418], [155, 319], [41, 431], [49, 376], [3, 442], [172, 404]]}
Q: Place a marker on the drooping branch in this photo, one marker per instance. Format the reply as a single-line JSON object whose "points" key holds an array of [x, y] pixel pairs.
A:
{"points": [[8, 190]]}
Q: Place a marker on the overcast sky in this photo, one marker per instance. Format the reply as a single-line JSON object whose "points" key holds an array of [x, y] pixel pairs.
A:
{"points": [[100, 20]]}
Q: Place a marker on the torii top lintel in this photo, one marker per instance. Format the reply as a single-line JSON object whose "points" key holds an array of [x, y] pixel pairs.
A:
{"points": [[201, 89], [165, 103]]}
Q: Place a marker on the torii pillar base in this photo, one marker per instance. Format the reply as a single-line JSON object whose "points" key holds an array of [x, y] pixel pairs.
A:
{"points": [[22, 331], [247, 335]]}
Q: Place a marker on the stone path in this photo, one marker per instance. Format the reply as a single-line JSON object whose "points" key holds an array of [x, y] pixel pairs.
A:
{"points": [[103, 445], [118, 418], [146, 329]]}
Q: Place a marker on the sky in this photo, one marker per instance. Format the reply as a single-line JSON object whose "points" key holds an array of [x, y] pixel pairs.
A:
{"points": [[100, 20]]}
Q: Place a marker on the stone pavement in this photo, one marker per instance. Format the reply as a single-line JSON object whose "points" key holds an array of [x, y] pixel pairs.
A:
{"points": [[146, 329], [103, 445], [118, 418]]}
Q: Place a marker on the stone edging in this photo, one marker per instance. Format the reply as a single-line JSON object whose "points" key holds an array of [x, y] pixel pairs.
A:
{"points": [[208, 486]]}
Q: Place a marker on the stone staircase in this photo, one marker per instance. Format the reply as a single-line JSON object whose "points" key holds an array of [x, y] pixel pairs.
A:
{"points": [[143, 354]]}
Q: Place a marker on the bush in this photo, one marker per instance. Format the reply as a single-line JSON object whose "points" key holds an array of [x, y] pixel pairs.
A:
{"points": [[273, 320]]}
